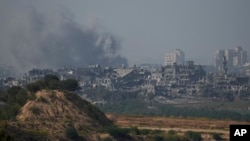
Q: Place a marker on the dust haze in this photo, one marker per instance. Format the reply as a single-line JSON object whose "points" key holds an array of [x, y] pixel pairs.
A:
{"points": [[35, 37]]}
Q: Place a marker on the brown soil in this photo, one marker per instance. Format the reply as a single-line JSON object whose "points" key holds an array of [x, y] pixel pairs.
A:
{"points": [[51, 112]]}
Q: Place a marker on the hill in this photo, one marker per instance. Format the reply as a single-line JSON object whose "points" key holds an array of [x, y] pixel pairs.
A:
{"points": [[57, 115]]}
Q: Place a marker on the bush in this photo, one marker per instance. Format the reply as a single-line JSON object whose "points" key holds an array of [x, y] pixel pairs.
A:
{"points": [[71, 132], [144, 131], [42, 99], [108, 139], [69, 85], [172, 132], [134, 130], [158, 138], [4, 136], [194, 136], [117, 132], [35, 110], [52, 82], [216, 136], [36, 86]]}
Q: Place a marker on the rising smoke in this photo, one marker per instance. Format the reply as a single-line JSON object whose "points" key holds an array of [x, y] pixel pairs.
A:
{"points": [[32, 38]]}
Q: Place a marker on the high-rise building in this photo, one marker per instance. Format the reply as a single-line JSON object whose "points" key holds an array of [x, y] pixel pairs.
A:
{"points": [[235, 58], [239, 57], [218, 57], [229, 58], [176, 57]]}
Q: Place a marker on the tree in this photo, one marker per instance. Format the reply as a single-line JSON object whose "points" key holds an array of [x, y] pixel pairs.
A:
{"points": [[21, 97], [36, 86], [69, 85], [52, 82]]}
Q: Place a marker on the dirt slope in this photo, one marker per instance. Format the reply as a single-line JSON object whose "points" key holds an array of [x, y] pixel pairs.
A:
{"points": [[51, 112]]}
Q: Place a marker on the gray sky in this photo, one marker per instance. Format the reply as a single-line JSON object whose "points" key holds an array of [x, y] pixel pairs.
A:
{"points": [[150, 28], [45, 33]]}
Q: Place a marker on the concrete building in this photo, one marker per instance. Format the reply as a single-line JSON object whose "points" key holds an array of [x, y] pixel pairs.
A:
{"points": [[183, 74], [176, 57], [239, 57], [235, 59], [218, 59], [229, 57]]}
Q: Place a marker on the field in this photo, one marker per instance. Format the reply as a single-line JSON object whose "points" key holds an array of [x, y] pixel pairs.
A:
{"points": [[202, 125]]}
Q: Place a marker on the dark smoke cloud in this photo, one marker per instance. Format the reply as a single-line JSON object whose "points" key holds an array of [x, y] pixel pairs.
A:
{"points": [[32, 38]]}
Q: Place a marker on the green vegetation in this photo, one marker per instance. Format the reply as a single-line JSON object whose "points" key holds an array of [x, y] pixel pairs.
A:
{"points": [[125, 103], [108, 139], [194, 136], [142, 108], [151, 135], [217, 136], [117, 132], [52, 82], [71, 133], [35, 110], [42, 99], [15, 97], [4, 136]]}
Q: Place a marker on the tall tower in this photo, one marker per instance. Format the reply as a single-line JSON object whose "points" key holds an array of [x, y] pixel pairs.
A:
{"points": [[218, 58]]}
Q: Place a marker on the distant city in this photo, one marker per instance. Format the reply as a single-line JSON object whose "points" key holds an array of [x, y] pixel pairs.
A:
{"points": [[177, 77]]}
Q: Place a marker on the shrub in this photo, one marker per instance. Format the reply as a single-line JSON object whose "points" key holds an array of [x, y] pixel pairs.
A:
{"points": [[35, 110], [42, 99], [172, 132], [108, 139], [52, 82], [157, 132], [216, 136], [134, 130], [69, 85], [42, 133], [4, 136], [36, 86], [144, 131], [117, 132], [71, 132], [158, 138], [194, 136]]}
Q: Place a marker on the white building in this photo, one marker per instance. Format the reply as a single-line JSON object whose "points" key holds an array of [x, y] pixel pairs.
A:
{"points": [[218, 59], [235, 58], [239, 57], [176, 57]]}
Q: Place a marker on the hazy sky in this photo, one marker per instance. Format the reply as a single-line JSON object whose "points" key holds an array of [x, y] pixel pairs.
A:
{"points": [[150, 28], [45, 33]]}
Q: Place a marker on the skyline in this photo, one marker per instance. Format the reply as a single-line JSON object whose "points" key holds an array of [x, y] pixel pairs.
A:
{"points": [[133, 32], [198, 28]]}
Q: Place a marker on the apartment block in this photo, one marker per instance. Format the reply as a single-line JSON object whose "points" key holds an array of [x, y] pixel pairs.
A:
{"points": [[235, 59], [175, 57]]}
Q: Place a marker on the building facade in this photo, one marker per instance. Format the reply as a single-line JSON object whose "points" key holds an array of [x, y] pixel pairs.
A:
{"points": [[235, 59], [176, 57]]}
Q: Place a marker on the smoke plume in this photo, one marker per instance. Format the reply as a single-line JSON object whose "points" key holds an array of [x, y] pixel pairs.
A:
{"points": [[35, 38]]}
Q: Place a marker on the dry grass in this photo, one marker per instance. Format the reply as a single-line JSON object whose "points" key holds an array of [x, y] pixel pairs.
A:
{"points": [[181, 125]]}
